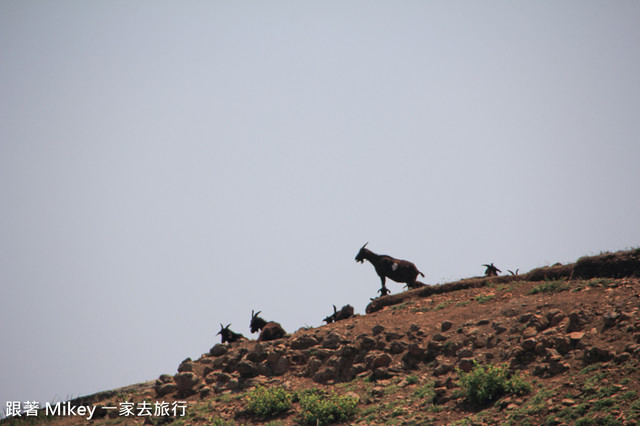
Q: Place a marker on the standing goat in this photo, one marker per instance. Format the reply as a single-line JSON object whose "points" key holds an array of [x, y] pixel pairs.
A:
{"points": [[228, 335], [400, 271], [491, 271], [270, 330], [338, 315]]}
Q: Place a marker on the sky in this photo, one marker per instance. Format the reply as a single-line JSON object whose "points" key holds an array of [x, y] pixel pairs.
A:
{"points": [[169, 166]]}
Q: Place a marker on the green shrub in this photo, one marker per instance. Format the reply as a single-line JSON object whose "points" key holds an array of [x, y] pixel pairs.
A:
{"points": [[269, 402], [412, 380], [485, 384], [323, 408]]}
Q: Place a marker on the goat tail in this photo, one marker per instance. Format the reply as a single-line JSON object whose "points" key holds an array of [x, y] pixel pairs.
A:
{"points": [[421, 273]]}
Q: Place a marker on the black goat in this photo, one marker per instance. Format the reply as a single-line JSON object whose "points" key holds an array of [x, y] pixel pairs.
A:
{"points": [[491, 271], [338, 315], [268, 330], [400, 271], [228, 335]]}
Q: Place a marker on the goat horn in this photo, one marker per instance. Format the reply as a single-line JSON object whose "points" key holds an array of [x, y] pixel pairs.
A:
{"points": [[365, 244], [335, 309], [228, 325]]}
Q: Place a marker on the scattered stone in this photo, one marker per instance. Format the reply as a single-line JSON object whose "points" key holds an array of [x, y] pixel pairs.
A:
{"points": [[390, 336], [305, 341], [446, 325], [466, 364], [377, 329], [218, 350], [499, 328], [529, 344], [597, 354], [165, 389], [439, 337], [247, 368], [529, 332], [186, 383], [186, 365], [332, 341], [442, 368]]}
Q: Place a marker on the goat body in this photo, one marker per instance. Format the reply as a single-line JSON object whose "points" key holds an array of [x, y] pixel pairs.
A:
{"points": [[338, 315], [268, 330], [491, 271], [400, 271], [228, 335]]}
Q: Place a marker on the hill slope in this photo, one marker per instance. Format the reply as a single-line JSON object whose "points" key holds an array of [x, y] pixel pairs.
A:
{"points": [[569, 335]]}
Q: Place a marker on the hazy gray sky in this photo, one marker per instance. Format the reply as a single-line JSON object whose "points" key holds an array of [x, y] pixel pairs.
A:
{"points": [[168, 166]]}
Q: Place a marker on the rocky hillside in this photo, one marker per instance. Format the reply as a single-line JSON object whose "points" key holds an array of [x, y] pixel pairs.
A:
{"points": [[558, 345]]}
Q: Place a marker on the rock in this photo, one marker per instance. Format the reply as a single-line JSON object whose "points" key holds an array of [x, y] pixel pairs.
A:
{"points": [[165, 378], [186, 383], [324, 375], [597, 354], [247, 368], [446, 325], [529, 332], [218, 350], [622, 358], [282, 366], [555, 317], [304, 342], [464, 353], [576, 321], [332, 341], [165, 389], [529, 344], [576, 336], [397, 347], [381, 374], [525, 318], [391, 336], [558, 368], [377, 329], [220, 362], [414, 328], [439, 337], [233, 384], [257, 355], [205, 392], [568, 402], [562, 345], [499, 328], [465, 364], [483, 321], [553, 356], [378, 360], [442, 368], [609, 319], [186, 365], [365, 343]]}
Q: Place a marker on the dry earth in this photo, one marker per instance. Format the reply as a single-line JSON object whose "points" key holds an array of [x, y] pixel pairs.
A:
{"points": [[571, 331]]}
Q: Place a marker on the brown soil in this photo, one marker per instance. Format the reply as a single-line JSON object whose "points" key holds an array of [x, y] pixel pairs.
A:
{"points": [[575, 339]]}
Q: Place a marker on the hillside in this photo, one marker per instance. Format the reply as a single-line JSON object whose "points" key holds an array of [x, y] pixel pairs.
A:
{"points": [[566, 337]]}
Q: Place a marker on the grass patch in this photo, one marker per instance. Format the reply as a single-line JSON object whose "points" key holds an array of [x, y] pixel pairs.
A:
{"points": [[550, 287], [486, 383], [483, 298]]}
